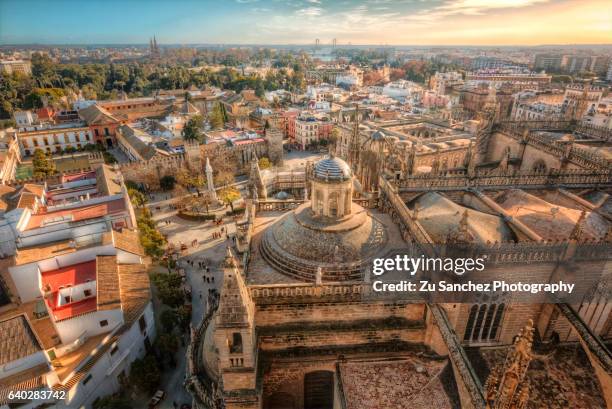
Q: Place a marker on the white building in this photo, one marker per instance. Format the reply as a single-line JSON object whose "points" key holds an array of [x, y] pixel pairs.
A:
{"points": [[79, 310], [54, 138], [83, 315], [402, 89]]}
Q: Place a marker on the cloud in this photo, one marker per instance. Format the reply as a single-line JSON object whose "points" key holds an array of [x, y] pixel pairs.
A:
{"points": [[246, 1], [314, 1], [309, 12], [478, 7]]}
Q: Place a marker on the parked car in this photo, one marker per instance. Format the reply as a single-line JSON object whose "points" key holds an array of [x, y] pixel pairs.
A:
{"points": [[158, 397]]}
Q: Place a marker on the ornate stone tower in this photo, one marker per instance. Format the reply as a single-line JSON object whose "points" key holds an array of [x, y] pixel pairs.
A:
{"points": [[234, 338], [507, 387]]}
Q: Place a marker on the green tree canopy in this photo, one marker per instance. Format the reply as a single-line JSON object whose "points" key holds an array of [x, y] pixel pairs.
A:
{"points": [[112, 402], [264, 163], [145, 374], [167, 182], [42, 165], [193, 128], [228, 195], [218, 116]]}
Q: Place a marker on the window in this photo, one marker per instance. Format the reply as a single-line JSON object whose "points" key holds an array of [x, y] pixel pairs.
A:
{"points": [[483, 322], [114, 349], [67, 299], [87, 293], [96, 132], [103, 323], [106, 131], [87, 379], [142, 323], [235, 345]]}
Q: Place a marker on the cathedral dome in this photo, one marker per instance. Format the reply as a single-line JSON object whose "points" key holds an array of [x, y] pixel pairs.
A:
{"points": [[378, 136], [332, 168], [300, 244]]}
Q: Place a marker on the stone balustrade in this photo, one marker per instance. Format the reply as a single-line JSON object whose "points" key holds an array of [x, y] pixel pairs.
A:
{"points": [[200, 382], [460, 180]]}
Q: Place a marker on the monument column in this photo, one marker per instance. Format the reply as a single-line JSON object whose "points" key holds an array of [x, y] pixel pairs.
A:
{"points": [[210, 185]]}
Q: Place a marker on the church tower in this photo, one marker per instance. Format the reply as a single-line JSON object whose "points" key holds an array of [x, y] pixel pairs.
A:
{"points": [[234, 338]]}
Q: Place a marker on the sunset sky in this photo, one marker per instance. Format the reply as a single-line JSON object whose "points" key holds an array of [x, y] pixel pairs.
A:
{"points": [[397, 22]]}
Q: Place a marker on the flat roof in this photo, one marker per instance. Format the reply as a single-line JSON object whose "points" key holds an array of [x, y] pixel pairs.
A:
{"points": [[77, 214]]}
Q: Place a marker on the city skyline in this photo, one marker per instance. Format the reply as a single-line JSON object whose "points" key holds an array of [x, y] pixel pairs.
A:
{"points": [[300, 22]]}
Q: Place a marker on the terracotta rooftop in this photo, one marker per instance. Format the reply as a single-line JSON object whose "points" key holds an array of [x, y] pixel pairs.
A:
{"points": [[26, 200], [107, 284], [108, 181], [96, 115], [135, 290], [128, 240], [17, 340], [29, 379], [145, 150], [5, 193], [43, 327], [38, 190]]}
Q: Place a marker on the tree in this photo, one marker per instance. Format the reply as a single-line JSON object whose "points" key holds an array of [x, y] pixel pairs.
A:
{"points": [[217, 116], [189, 179], [150, 238], [167, 182], [169, 289], [264, 163], [168, 318], [193, 128], [168, 345], [137, 198], [184, 316], [42, 165], [145, 374], [228, 195]]}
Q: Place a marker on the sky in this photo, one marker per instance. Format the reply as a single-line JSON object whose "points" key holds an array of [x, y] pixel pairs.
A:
{"points": [[375, 22]]}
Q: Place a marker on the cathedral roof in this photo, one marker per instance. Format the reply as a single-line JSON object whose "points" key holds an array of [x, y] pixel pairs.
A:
{"points": [[332, 168], [298, 244]]}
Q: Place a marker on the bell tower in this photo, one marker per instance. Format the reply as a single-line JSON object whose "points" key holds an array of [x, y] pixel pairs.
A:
{"points": [[235, 339]]}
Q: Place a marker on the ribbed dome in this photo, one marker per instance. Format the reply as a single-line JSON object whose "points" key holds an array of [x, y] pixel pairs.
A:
{"points": [[332, 168], [378, 136], [297, 244]]}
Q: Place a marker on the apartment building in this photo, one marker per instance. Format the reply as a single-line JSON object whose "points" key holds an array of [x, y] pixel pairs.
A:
{"points": [[75, 305], [305, 129]]}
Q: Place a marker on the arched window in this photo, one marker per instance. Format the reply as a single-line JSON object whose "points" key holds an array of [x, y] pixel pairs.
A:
{"points": [[333, 204], [235, 344], [483, 322]]}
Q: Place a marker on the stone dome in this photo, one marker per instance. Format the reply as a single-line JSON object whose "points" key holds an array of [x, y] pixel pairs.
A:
{"points": [[378, 136], [282, 195], [299, 243], [332, 168]]}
